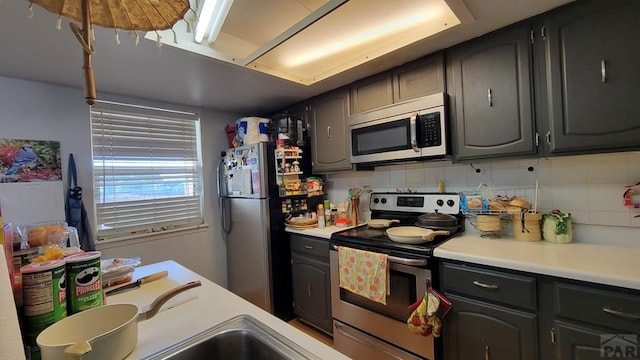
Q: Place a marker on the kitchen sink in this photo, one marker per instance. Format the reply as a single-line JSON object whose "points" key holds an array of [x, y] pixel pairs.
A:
{"points": [[241, 337]]}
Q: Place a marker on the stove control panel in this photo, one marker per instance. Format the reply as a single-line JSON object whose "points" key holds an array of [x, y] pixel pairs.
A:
{"points": [[446, 203]]}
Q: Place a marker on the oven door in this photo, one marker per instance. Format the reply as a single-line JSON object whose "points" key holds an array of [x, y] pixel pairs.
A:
{"points": [[387, 322]]}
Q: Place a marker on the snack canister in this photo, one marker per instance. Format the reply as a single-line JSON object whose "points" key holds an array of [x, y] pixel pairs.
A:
{"points": [[44, 299], [85, 282], [526, 226]]}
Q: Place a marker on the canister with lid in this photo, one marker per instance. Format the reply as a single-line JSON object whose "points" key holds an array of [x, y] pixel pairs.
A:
{"points": [[85, 282], [526, 226], [44, 299]]}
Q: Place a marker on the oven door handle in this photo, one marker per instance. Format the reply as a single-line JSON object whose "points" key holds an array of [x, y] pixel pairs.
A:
{"points": [[399, 260]]}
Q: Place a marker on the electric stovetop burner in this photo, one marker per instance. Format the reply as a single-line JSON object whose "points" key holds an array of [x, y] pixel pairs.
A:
{"points": [[406, 208]]}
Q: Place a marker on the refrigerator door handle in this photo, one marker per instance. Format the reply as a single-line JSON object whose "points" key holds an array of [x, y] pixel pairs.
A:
{"points": [[225, 205], [219, 176], [226, 213]]}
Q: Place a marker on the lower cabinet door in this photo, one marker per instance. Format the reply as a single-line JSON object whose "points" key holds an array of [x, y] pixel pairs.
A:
{"points": [[474, 330], [311, 291], [575, 342]]}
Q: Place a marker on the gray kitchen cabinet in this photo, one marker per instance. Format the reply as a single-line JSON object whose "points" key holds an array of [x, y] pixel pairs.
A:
{"points": [[507, 314], [412, 80], [589, 58], [311, 281], [493, 315], [489, 81], [588, 320], [330, 137], [480, 331], [371, 93], [576, 342], [419, 78]]}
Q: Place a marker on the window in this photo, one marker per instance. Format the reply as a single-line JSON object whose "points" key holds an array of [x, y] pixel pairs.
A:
{"points": [[146, 169]]}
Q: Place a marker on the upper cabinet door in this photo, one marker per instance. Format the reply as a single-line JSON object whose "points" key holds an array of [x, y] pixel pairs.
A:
{"points": [[489, 82], [330, 137], [371, 93], [419, 78], [593, 72]]}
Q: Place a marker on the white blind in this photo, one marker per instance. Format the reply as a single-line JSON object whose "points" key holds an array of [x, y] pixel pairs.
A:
{"points": [[146, 169]]}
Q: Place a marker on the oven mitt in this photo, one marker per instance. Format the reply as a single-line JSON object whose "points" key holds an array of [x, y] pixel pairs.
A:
{"points": [[427, 313]]}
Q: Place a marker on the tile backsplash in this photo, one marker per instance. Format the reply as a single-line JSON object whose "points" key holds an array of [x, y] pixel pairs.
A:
{"points": [[590, 187]]}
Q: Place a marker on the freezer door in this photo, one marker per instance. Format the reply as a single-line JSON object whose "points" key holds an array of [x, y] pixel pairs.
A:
{"points": [[244, 171], [248, 252]]}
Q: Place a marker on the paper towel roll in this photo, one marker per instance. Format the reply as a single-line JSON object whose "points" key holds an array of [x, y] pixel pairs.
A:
{"points": [[10, 336], [253, 130]]}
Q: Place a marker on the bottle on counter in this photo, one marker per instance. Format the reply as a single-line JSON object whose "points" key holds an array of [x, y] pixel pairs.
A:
{"points": [[327, 213], [321, 218]]}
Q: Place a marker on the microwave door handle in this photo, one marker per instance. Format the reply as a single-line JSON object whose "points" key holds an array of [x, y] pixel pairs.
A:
{"points": [[412, 128]]}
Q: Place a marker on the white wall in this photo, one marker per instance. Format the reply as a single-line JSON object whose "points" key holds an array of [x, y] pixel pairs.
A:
{"points": [[590, 187], [33, 110]]}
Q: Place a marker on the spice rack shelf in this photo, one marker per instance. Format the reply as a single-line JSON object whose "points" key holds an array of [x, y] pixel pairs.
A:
{"points": [[289, 175]]}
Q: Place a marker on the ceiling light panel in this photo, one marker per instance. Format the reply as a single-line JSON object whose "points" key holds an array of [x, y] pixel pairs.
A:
{"points": [[352, 34], [258, 22]]}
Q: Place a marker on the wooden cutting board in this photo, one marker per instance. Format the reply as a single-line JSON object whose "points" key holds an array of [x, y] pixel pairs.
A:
{"points": [[147, 293]]}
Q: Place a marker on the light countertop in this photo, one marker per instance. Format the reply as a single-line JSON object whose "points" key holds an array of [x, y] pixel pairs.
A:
{"points": [[608, 264], [197, 310], [324, 233]]}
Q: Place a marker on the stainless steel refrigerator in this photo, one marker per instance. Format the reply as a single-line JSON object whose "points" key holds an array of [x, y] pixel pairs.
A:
{"points": [[244, 199]]}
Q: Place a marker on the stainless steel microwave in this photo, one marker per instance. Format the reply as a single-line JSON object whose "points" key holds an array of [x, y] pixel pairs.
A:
{"points": [[410, 130]]}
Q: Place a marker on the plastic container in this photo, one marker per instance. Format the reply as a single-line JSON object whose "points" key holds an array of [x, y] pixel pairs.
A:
{"points": [[321, 218], [526, 226], [231, 134]]}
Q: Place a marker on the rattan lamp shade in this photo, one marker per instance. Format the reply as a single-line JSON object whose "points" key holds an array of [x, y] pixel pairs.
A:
{"points": [[143, 15]]}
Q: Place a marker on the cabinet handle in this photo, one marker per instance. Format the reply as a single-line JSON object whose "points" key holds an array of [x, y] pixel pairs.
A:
{"points": [[328, 131], [548, 137], [603, 70], [308, 247], [309, 289], [624, 315], [489, 97], [486, 353], [485, 286]]}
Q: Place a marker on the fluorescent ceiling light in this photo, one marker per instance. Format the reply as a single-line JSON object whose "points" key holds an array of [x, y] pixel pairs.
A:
{"points": [[210, 20], [355, 32], [306, 41], [370, 32]]}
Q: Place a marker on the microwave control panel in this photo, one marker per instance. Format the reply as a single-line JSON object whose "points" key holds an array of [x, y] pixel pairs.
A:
{"points": [[430, 129]]}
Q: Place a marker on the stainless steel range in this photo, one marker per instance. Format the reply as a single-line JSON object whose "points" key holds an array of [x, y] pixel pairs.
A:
{"points": [[364, 329]]}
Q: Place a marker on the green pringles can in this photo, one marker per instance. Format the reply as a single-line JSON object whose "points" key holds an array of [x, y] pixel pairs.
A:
{"points": [[84, 279], [44, 290]]}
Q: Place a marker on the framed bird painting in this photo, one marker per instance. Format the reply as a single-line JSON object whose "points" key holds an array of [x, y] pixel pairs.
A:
{"points": [[29, 160]]}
